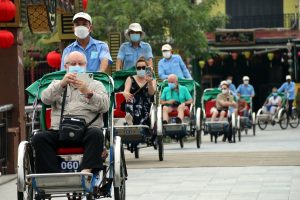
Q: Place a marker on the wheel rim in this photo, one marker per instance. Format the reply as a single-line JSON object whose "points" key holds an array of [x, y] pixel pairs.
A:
{"points": [[283, 120], [262, 124], [294, 119]]}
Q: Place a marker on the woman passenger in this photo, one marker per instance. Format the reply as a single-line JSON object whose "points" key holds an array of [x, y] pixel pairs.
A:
{"points": [[139, 91]]}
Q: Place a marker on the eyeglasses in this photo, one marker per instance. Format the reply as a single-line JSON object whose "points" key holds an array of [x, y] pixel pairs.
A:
{"points": [[141, 67]]}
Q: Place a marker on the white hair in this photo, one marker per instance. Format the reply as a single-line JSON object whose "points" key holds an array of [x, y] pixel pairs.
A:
{"points": [[67, 56]]}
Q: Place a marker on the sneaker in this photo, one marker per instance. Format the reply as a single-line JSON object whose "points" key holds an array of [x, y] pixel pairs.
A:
{"points": [[128, 119]]}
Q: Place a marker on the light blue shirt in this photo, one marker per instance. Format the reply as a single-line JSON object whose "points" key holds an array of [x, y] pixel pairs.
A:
{"points": [[95, 51], [174, 65], [289, 88], [245, 90], [129, 54]]}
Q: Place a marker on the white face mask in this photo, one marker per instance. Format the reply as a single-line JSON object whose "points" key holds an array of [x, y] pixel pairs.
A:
{"points": [[167, 54], [224, 91], [81, 32], [246, 82], [229, 81]]}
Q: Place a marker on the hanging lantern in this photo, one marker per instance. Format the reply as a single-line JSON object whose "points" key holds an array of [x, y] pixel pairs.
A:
{"points": [[298, 54], [210, 62], [201, 64], [234, 55], [270, 57], [247, 55], [84, 4], [7, 10], [54, 59], [6, 39]]}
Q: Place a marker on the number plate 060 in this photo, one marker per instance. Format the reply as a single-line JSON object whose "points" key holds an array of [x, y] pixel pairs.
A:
{"points": [[69, 165]]}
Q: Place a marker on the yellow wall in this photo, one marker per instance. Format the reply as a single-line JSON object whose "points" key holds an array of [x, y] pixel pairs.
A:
{"points": [[219, 8], [289, 6]]}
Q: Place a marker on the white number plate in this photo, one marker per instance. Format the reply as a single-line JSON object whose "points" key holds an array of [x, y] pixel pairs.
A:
{"points": [[69, 165]]}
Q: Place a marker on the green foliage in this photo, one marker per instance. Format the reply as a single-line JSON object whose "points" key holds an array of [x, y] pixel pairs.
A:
{"points": [[178, 22]]}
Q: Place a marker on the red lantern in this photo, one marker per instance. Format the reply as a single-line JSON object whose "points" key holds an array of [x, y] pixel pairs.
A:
{"points": [[210, 61], [54, 59], [234, 55], [7, 10], [84, 4], [298, 54], [6, 39]]}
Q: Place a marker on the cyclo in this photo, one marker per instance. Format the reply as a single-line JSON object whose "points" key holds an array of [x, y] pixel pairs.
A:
{"points": [[215, 128], [134, 136], [71, 182], [190, 125], [281, 115], [246, 120]]}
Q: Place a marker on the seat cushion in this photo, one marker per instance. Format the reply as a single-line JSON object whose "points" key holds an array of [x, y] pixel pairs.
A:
{"points": [[69, 150], [48, 118], [118, 113], [208, 106]]}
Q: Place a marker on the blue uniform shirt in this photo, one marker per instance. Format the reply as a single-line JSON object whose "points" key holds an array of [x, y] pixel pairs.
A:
{"points": [[289, 88], [95, 51], [245, 90], [174, 65], [129, 55]]}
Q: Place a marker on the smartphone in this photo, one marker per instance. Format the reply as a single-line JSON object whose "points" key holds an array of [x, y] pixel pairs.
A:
{"points": [[148, 71], [86, 77]]}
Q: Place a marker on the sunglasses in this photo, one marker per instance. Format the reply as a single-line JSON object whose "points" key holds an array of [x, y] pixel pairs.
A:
{"points": [[141, 67]]}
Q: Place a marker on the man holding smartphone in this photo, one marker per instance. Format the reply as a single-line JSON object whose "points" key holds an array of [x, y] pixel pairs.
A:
{"points": [[84, 101]]}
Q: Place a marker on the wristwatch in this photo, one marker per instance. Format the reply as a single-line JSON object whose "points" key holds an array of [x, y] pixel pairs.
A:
{"points": [[89, 95]]}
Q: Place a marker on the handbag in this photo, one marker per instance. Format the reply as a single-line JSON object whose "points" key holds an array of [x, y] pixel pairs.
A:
{"points": [[72, 130]]}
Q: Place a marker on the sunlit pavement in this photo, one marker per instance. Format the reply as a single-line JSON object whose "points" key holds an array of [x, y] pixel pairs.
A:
{"points": [[261, 167]]}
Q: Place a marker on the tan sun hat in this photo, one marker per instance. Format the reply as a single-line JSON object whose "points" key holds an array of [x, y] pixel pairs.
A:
{"points": [[166, 47], [288, 77], [224, 83], [136, 27]]}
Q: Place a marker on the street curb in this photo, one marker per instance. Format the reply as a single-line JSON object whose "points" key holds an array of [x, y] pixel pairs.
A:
{"points": [[7, 178]]}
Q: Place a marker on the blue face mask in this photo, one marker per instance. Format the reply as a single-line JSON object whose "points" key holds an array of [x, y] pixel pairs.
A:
{"points": [[171, 85], [135, 37], [141, 73], [275, 94], [76, 69]]}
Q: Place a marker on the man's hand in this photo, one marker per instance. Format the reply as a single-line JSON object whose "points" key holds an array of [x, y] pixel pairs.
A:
{"points": [[81, 86], [69, 78]]}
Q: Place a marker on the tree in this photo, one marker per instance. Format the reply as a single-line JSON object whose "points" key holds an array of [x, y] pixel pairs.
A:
{"points": [[178, 22]]}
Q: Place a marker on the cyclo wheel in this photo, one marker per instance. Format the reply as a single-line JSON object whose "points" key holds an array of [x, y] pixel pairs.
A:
{"points": [[198, 138], [25, 156], [294, 119], [160, 144], [262, 124], [283, 120], [119, 171]]}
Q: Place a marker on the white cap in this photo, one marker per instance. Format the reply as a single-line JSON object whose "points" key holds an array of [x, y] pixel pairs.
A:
{"points": [[288, 77], [136, 27], [82, 15], [224, 83], [166, 47], [246, 78]]}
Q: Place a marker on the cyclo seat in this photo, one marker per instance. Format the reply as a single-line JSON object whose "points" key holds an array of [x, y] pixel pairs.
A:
{"points": [[208, 106]]}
